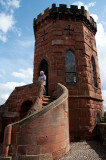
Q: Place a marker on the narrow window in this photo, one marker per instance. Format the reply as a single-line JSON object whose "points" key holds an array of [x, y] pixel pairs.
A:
{"points": [[70, 67], [94, 76]]}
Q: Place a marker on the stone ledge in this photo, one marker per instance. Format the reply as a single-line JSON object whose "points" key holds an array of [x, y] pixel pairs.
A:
{"points": [[25, 86], [5, 158], [85, 96]]}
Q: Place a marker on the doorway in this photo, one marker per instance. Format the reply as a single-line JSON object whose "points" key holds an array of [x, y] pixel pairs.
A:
{"points": [[44, 67], [25, 108]]}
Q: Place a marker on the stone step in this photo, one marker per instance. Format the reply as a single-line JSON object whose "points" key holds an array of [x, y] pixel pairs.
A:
{"points": [[46, 100], [47, 97], [45, 103]]}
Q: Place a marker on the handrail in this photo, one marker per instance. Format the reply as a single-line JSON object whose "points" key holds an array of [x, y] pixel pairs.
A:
{"points": [[8, 129]]}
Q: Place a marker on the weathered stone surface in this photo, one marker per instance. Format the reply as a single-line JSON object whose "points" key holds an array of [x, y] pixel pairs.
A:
{"points": [[57, 42], [5, 158]]}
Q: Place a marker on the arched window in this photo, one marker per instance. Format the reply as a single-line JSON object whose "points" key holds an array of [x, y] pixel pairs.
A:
{"points": [[70, 67], [94, 76]]}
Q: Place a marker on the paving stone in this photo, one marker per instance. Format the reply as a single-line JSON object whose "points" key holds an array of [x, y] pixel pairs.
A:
{"points": [[91, 150]]}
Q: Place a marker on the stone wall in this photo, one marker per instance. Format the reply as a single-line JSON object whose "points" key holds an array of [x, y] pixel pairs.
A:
{"points": [[84, 114], [11, 110], [102, 132]]}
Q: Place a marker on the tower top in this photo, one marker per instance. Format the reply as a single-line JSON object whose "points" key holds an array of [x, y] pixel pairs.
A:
{"points": [[73, 12]]}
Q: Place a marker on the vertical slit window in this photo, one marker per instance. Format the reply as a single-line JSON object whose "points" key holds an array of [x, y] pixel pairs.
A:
{"points": [[70, 67], [94, 76]]}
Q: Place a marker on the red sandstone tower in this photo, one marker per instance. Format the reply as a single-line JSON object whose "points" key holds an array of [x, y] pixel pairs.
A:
{"points": [[65, 49]]}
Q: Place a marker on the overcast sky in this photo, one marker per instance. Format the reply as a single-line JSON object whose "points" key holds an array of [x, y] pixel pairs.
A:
{"points": [[17, 40]]}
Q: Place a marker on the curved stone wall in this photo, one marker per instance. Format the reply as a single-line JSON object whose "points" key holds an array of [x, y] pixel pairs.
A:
{"points": [[43, 134]]}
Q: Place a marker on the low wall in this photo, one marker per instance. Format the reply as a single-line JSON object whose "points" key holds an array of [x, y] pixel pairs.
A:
{"points": [[19, 95], [44, 134], [85, 113], [102, 132]]}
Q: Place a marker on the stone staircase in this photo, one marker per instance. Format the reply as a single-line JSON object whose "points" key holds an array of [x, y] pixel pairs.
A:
{"points": [[46, 101]]}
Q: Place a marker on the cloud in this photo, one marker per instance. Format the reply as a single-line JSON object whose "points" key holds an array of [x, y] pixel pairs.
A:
{"points": [[92, 4], [6, 22], [79, 4], [95, 17], [26, 75], [101, 36], [104, 97], [10, 4], [13, 3], [7, 19], [101, 48], [26, 43], [6, 89], [3, 37], [16, 30]]}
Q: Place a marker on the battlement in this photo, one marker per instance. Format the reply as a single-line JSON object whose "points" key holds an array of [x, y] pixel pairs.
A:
{"points": [[62, 10]]}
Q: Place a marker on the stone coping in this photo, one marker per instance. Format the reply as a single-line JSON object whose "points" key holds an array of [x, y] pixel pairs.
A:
{"points": [[73, 11], [28, 85], [18, 89], [85, 96]]}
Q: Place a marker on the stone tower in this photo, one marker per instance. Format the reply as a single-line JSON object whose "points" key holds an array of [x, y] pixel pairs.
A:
{"points": [[65, 49]]}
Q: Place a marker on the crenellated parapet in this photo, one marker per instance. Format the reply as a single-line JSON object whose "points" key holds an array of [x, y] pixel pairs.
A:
{"points": [[62, 12]]}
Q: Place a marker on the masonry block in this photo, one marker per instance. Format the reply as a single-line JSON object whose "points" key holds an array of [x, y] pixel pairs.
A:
{"points": [[74, 8], [62, 8]]}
